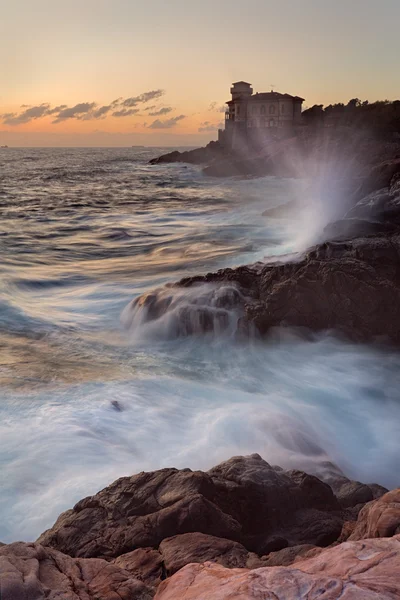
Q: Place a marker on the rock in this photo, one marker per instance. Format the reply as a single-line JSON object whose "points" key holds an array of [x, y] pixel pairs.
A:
{"points": [[32, 572], [288, 556], [243, 500], [140, 511], [351, 287], [380, 518], [181, 550], [197, 157], [145, 564], [381, 175], [367, 570]]}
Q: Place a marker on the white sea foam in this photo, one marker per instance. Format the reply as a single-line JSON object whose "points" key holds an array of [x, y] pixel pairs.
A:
{"points": [[75, 251], [298, 403]]}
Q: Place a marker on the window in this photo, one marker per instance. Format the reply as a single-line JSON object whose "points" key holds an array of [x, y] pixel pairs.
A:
{"points": [[263, 109], [254, 110], [249, 123], [282, 108], [263, 122], [238, 109], [271, 123], [272, 109]]}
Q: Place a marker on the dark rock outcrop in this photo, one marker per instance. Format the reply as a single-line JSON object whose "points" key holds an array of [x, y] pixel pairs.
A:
{"points": [[124, 542], [197, 156], [181, 550], [352, 287], [243, 500]]}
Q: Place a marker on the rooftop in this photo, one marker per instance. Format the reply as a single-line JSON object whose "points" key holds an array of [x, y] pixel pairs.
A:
{"points": [[268, 96]]}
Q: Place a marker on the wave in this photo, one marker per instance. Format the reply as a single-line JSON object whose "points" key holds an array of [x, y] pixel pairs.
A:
{"points": [[172, 312]]}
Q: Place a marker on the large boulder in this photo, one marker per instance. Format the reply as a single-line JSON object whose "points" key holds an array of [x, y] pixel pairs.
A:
{"points": [[181, 550], [243, 499], [350, 286], [32, 572], [368, 570], [380, 518]]}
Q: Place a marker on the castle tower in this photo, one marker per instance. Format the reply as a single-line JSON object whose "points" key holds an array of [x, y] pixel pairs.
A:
{"points": [[241, 89]]}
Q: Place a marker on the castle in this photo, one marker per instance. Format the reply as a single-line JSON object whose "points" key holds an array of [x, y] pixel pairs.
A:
{"points": [[252, 118]]}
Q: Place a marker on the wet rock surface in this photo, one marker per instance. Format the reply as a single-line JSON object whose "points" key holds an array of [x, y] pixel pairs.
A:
{"points": [[150, 533], [243, 500], [350, 286]]}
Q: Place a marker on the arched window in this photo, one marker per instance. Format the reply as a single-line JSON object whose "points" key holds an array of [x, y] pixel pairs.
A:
{"points": [[254, 110], [282, 108], [272, 109], [262, 109], [272, 123], [263, 122]]}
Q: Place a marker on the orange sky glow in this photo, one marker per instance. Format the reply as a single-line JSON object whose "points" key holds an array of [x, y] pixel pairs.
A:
{"points": [[130, 72]]}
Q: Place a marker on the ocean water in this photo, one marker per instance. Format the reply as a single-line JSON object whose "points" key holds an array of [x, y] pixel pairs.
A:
{"points": [[88, 396]]}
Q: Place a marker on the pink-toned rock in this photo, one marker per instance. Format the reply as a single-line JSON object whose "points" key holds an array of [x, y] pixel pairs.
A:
{"points": [[145, 564], [32, 572], [181, 550], [365, 570], [380, 518]]}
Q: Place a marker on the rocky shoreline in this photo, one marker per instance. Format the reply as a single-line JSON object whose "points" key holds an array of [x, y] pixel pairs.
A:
{"points": [[349, 283], [244, 527]]}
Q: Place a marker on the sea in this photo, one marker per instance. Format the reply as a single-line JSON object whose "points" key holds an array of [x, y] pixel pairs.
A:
{"points": [[87, 396]]}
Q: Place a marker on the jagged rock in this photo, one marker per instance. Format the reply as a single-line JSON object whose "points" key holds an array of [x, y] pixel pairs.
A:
{"points": [[352, 493], [351, 286], [367, 570], [243, 499], [32, 572], [181, 550], [380, 518]]}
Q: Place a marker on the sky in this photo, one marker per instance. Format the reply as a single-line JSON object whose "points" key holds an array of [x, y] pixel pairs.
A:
{"points": [[158, 72]]}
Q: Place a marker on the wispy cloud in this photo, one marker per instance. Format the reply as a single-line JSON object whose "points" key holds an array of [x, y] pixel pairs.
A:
{"points": [[207, 126], [161, 111], [143, 98], [86, 111], [125, 112], [167, 123], [216, 107], [79, 111], [29, 114]]}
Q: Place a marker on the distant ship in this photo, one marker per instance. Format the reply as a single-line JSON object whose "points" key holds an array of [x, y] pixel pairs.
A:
{"points": [[3, 146]]}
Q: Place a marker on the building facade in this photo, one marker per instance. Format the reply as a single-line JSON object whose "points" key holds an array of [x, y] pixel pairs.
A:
{"points": [[251, 119]]}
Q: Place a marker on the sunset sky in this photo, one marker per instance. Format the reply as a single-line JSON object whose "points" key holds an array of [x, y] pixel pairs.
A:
{"points": [[157, 72]]}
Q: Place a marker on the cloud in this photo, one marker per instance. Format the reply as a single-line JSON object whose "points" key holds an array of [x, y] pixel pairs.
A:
{"points": [[161, 111], [207, 126], [57, 109], [143, 98], [29, 114], [88, 111], [125, 112], [75, 111], [216, 107], [167, 124]]}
